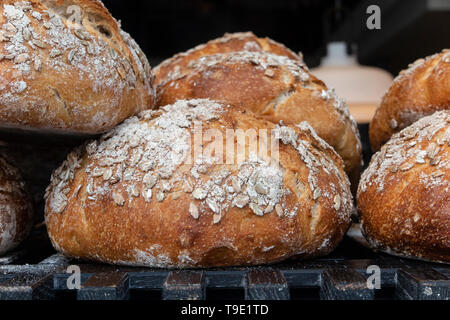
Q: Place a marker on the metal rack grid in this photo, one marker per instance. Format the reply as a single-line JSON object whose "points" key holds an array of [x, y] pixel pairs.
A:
{"points": [[341, 276]]}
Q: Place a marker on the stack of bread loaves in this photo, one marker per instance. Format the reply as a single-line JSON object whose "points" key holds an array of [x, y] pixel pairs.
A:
{"points": [[66, 67], [145, 195], [264, 77], [404, 197]]}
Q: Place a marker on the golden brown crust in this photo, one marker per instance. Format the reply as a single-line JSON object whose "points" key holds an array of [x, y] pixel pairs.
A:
{"points": [[404, 196], [241, 41], [132, 199], [273, 87], [62, 73], [421, 90], [16, 209]]}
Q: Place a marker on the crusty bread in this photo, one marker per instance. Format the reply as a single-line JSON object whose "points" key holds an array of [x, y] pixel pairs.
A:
{"points": [[62, 74], [16, 209], [404, 196], [132, 198], [274, 87], [230, 42], [421, 90]]}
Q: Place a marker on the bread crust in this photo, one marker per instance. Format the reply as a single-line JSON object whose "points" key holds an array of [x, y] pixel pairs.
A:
{"points": [[230, 42], [404, 197], [66, 66], [421, 90], [273, 87], [16, 208], [202, 214]]}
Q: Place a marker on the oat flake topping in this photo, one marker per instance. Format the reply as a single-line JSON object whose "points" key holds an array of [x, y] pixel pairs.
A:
{"points": [[145, 155], [408, 150]]}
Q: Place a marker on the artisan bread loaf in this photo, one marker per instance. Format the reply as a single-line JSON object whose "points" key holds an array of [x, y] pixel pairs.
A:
{"points": [[230, 42], [143, 195], [421, 90], [273, 87], [404, 196], [67, 67], [16, 209]]}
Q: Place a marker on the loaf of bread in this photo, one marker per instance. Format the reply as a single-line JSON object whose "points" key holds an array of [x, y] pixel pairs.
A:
{"points": [[419, 91], [16, 208], [241, 41], [164, 190], [273, 87], [404, 196], [67, 67]]}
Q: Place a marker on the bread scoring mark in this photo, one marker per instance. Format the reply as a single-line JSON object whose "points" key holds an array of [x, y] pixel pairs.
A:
{"points": [[423, 143]]}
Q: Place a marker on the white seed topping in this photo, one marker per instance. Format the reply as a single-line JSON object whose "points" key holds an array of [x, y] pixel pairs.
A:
{"points": [[261, 188], [279, 210], [193, 210], [406, 166], [147, 195], [432, 150], [213, 205], [134, 190], [150, 180], [37, 64], [317, 193], [187, 187], [256, 209], [39, 44], [216, 218], [107, 174], [21, 58], [199, 194], [268, 209], [55, 53], [269, 72], [71, 55], [393, 124], [118, 198], [241, 201], [236, 185], [337, 202], [160, 196]]}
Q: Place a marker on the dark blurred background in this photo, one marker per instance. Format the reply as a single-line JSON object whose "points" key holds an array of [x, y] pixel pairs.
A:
{"points": [[410, 28]]}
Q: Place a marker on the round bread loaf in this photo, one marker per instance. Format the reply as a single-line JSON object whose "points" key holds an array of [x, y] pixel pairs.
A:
{"points": [[404, 196], [230, 42], [419, 91], [155, 192], [16, 209], [274, 87], [67, 67]]}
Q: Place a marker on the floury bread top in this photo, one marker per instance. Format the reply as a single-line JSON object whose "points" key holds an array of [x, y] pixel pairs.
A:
{"points": [[66, 66]]}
